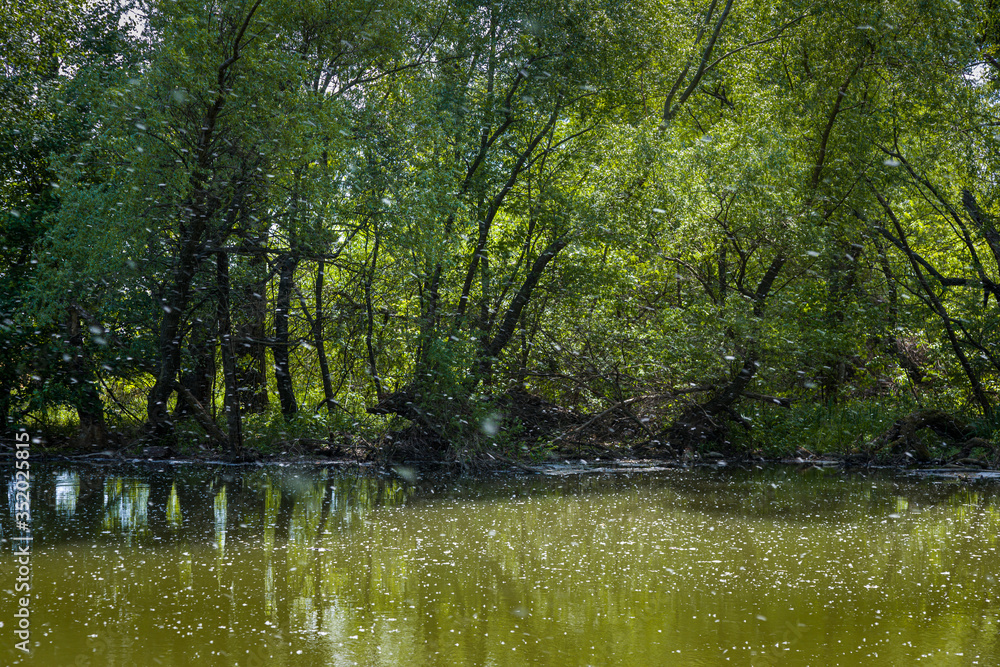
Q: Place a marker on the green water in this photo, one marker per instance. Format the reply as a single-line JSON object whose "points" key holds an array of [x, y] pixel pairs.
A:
{"points": [[192, 565]]}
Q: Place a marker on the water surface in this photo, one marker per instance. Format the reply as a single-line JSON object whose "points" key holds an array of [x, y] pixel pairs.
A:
{"points": [[281, 565]]}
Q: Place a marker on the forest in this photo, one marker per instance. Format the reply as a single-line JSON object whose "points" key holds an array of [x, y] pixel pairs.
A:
{"points": [[483, 230]]}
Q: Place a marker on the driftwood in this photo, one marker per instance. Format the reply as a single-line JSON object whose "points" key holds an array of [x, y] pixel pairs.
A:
{"points": [[616, 406], [624, 404]]}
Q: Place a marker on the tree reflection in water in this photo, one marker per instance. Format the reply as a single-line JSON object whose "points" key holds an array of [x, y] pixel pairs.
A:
{"points": [[194, 565]]}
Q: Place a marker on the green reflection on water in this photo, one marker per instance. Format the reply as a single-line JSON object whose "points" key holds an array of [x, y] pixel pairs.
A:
{"points": [[67, 491], [285, 566], [125, 507], [174, 516]]}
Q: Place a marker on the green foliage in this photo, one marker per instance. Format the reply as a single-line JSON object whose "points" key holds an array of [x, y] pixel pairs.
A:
{"points": [[848, 427], [590, 201]]}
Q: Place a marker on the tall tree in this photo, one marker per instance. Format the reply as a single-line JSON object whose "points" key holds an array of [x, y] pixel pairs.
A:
{"points": [[57, 62]]}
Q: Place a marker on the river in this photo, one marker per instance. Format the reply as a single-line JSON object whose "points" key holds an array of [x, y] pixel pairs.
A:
{"points": [[195, 564]]}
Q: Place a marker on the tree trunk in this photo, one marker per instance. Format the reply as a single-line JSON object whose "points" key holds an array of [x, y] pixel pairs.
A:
{"points": [[199, 412], [195, 213], [93, 430], [280, 348], [89, 408], [198, 379], [937, 307], [250, 331], [324, 366], [509, 323], [160, 423], [407, 402], [234, 421], [370, 322], [5, 400]]}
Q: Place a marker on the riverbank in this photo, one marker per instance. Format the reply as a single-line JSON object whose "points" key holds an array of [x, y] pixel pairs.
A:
{"points": [[558, 466], [523, 431]]}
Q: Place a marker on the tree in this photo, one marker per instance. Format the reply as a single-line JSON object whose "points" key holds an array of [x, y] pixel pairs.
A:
{"points": [[56, 62], [503, 140], [417, 210]]}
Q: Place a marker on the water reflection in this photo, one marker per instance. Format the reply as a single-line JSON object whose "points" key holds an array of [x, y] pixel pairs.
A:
{"points": [[67, 491], [174, 516], [286, 566], [220, 506], [125, 507]]}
